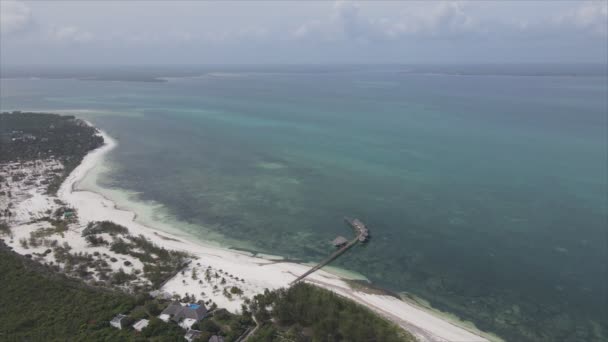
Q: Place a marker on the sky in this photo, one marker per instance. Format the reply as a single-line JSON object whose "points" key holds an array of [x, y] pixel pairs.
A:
{"points": [[298, 32]]}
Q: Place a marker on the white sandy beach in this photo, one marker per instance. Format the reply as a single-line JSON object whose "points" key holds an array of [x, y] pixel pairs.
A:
{"points": [[251, 274]]}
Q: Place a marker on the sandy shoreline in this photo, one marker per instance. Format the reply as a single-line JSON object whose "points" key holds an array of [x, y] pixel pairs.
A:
{"points": [[259, 273]]}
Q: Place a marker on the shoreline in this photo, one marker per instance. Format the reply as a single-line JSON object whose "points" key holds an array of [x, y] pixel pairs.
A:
{"points": [[261, 273]]}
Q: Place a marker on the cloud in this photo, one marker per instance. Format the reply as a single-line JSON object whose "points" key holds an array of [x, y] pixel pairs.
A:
{"points": [[446, 18], [14, 17], [188, 37], [451, 20], [347, 22], [307, 29], [585, 20], [70, 35], [246, 34], [591, 17]]}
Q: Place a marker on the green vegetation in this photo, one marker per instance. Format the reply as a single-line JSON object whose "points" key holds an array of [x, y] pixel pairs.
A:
{"points": [[160, 264], [59, 227], [308, 313], [222, 322], [104, 227], [32, 136], [39, 304], [54, 307], [4, 228]]}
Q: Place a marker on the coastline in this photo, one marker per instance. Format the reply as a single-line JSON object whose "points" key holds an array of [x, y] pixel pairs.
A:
{"points": [[260, 273]]}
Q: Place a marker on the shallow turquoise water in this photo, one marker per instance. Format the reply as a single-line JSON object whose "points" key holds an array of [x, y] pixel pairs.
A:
{"points": [[485, 194]]}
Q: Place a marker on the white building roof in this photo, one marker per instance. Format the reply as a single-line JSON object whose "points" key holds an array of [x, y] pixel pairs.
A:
{"points": [[142, 323], [187, 323]]}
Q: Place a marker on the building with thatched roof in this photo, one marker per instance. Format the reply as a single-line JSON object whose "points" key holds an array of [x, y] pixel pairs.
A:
{"points": [[339, 241]]}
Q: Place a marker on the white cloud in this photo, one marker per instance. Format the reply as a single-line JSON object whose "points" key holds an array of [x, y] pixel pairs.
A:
{"points": [[347, 21], [253, 33], [583, 20], [70, 35], [591, 16], [446, 18], [14, 17], [452, 19]]}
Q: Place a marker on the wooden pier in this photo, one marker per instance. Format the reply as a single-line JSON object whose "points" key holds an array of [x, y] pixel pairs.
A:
{"points": [[362, 235]]}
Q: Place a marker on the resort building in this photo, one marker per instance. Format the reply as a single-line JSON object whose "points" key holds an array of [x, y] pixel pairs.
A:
{"points": [[183, 314], [160, 294], [119, 321], [361, 229], [191, 335], [339, 241], [141, 324]]}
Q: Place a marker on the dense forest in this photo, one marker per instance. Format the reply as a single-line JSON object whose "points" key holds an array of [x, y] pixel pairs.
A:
{"points": [[305, 313], [39, 304], [31, 136]]}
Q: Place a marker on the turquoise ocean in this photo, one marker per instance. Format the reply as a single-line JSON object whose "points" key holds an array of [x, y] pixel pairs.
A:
{"points": [[485, 188]]}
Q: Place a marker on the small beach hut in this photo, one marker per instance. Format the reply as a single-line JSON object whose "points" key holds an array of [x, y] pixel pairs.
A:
{"points": [[119, 321]]}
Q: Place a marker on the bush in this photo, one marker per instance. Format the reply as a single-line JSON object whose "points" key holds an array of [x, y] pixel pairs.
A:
{"points": [[119, 246], [120, 277], [95, 240], [235, 290], [104, 227], [4, 228], [209, 326]]}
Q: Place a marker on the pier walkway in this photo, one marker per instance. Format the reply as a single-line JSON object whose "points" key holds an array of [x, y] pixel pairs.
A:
{"points": [[327, 260], [362, 235]]}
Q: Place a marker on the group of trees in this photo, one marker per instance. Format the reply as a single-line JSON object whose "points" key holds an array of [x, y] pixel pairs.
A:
{"points": [[104, 227], [31, 136], [4, 228], [159, 263], [307, 313], [54, 307], [40, 304], [223, 323]]}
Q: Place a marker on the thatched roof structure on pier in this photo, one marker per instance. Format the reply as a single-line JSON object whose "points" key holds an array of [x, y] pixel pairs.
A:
{"points": [[339, 241]]}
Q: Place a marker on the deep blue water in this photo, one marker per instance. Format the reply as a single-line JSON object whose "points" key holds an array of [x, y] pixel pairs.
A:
{"points": [[485, 192]]}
